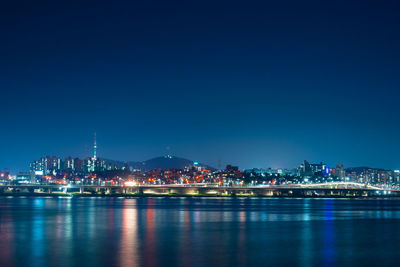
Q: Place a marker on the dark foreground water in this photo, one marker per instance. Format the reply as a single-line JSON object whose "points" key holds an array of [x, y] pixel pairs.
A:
{"points": [[198, 232]]}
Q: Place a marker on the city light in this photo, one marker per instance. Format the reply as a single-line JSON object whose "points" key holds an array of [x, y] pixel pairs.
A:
{"points": [[130, 183]]}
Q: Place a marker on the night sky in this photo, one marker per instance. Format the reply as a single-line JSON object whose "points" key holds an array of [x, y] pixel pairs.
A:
{"points": [[255, 84]]}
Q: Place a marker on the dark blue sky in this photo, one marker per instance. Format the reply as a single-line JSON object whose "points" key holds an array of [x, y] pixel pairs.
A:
{"points": [[257, 84]]}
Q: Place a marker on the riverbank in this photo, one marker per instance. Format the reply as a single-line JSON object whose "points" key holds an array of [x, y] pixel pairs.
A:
{"points": [[338, 190], [137, 195]]}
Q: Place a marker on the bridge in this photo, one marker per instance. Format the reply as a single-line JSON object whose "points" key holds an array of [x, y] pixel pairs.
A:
{"points": [[339, 189], [343, 185]]}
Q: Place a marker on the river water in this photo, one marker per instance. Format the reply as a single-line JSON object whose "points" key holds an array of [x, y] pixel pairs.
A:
{"points": [[36, 231]]}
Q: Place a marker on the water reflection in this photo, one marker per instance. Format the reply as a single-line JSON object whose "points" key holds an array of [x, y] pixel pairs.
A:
{"points": [[6, 239], [150, 246], [129, 240], [185, 238], [328, 256], [196, 232], [38, 232]]}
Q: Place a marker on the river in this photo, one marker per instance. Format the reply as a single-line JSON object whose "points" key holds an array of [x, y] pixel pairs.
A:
{"points": [[56, 231]]}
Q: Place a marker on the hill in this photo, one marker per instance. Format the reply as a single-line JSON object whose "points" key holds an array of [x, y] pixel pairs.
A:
{"points": [[166, 162]]}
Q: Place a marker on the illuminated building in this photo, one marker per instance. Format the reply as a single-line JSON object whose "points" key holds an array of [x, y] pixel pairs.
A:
{"points": [[340, 171], [95, 148], [46, 165]]}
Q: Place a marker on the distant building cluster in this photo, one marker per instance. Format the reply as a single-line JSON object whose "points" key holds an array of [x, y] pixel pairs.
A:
{"points": [[54, 170], [321, 173], [94, 170], [71, 166]]}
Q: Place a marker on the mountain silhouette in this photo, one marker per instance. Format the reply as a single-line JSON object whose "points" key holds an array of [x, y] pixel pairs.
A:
{"points": [[166, 162]]}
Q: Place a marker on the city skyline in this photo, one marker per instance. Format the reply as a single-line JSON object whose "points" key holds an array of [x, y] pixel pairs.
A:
{"points": [[212, 81], [90, 152], [169, 170]]}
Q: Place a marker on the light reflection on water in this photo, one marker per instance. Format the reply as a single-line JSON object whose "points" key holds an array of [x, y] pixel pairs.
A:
{"points": [[197, 232], [128, 244]]}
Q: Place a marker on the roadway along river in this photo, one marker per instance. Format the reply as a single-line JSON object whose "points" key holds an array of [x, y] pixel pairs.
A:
{"points": [[39, 231]]}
